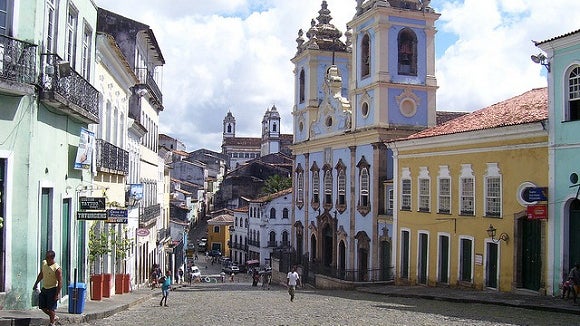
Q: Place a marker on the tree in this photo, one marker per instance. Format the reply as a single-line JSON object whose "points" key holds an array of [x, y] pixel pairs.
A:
{"points": [[120, 244], [276, 183], [98, 245]]}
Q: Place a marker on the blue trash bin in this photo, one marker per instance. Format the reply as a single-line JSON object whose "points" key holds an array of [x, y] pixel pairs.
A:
{"points": [[76, 298]]}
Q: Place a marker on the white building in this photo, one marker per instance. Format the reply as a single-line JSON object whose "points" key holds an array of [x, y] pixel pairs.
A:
{"points": [[262, 227]]}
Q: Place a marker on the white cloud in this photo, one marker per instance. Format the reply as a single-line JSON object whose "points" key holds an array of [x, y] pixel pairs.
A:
{"points": [[235, 55]]}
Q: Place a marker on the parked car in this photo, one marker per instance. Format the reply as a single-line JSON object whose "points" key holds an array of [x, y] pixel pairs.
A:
{"points": [[231, 269], [214, 253]]}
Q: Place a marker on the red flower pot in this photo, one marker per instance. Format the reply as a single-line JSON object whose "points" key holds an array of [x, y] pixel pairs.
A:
{"points": [[119, 280], [97, 287], [127, 283], [107, 285]]}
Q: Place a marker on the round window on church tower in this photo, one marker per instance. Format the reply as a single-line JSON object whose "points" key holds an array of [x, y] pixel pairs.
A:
{"points": [[408, 107], [365, 109]]}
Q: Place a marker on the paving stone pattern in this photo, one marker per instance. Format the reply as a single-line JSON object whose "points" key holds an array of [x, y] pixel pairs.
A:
{"points": [[241, 304]]}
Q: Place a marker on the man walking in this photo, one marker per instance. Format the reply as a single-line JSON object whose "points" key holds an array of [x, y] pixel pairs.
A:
{"points": [[51, 276], [292, 280]]}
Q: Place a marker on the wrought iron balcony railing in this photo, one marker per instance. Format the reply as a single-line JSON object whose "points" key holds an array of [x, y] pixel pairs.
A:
{"points": [[111, 158], [17, 60], [272, 244], [253, 243], [146, 77], [66, 90], [149, 213]]}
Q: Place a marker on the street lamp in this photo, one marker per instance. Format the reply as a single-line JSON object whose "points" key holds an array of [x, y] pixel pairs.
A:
{"points": [[491, 231]]}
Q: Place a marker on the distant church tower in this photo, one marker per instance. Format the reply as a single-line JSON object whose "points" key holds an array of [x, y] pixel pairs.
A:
{"points": [[270, 132], [229, 126]]}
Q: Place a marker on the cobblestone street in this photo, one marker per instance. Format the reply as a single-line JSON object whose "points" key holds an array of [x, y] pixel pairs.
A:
{"points": [[242, 304]]}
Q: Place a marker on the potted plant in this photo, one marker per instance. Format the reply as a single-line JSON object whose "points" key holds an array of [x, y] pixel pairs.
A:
{"points": [[121, 244], [98, 247]]}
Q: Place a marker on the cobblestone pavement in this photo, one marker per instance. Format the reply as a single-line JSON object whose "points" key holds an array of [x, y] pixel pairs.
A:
{"points": [[242, 304]]}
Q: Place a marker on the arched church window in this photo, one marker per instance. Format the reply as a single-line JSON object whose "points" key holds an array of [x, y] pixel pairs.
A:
{"points": [[302, 86], [274, 127], [407, 47], [229, 128], [365, 64]]}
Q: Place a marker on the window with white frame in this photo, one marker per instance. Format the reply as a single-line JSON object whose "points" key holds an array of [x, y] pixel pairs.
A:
{"points": [[299, 186], [86, 52], [573, 112], [50, 45], [424, 190], [341, 186], [364, 187], [492, 191], [444, 190], [467, 190], [406, 189], [315, 185], [327, 187], [71, 35]]}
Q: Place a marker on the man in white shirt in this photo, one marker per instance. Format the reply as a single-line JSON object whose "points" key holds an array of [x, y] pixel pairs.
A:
{"points": [[292, 280]]}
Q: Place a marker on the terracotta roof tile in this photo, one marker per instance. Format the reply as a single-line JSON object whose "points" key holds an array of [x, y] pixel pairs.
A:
{"points": [[531, 106]]}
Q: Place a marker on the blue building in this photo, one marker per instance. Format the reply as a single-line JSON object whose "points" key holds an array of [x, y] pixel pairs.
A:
{"points": [[562, 61], [350, 98]]}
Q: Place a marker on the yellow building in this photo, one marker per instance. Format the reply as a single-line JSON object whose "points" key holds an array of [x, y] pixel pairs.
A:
{"points": [[218, 233], [461, 206]]}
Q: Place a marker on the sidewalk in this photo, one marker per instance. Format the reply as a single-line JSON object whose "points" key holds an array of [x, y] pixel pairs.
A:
{"points": [[92, 309], [116, 303], [519, 299]]}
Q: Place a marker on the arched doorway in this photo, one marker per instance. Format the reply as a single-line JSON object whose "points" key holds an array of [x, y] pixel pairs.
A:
{"points": [[574, 234], [327, 246], [363, 249]]}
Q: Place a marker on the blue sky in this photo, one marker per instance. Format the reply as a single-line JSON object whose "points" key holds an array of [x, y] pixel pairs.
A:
{"points": [[235, 55]]}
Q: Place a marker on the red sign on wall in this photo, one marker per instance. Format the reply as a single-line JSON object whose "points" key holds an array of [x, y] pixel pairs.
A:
{"points": [[537, 212]]}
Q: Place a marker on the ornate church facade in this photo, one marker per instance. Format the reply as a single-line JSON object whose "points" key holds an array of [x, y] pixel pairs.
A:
{"points": [[351, 97]]}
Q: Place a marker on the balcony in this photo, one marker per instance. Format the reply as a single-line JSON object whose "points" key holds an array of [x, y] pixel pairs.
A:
{"points": [[17, 65], [149, 214], [163, 234], [272, 244], [67, 91], [112, 159], [254, 243], [146, 77]]}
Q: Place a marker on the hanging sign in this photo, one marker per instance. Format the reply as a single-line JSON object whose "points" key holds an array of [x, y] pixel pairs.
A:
{"points": [[94, 215], [92, 203], [537, 212], [117, 216], [142, 232]]}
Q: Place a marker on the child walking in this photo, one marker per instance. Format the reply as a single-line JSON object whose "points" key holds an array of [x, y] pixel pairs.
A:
{"points": [[165, 286]]}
